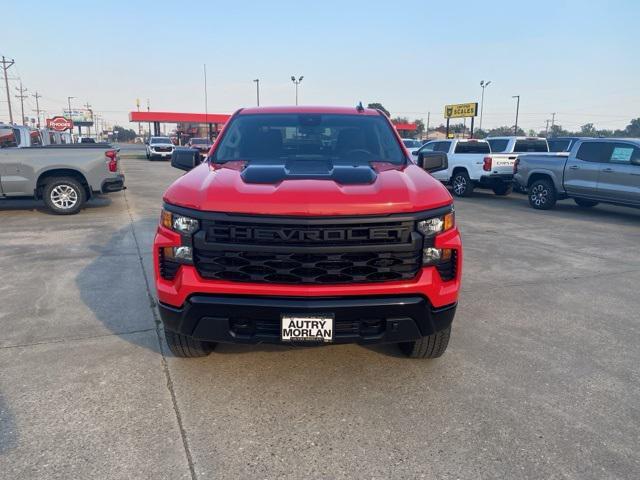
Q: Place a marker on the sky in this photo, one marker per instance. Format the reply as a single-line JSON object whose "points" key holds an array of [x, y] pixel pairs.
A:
{"points": [[578, 59]]}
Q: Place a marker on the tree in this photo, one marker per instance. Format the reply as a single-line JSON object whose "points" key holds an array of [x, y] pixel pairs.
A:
{"points": [[588, 130], [124, 134], [633, 129], [400, 120], [505, 131], [419, 126], [558, 131], [378, 106]]}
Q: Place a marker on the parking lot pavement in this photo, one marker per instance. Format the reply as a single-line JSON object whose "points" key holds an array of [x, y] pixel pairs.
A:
{"points": [[540, 379]]}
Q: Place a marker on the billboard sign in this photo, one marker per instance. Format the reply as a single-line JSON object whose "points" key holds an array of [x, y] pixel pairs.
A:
{"points": [[59, 124], [80, 117], [461, 110]]}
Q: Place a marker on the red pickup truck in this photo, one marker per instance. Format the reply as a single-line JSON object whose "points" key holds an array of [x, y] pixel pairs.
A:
{"points": [[307, 226]]}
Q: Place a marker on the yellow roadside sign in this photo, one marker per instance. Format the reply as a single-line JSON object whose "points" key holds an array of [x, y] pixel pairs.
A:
{"points": [[460, 110]]}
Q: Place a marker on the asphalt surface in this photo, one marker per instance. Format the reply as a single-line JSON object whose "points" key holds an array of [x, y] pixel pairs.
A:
{"points": [[541, 379]]}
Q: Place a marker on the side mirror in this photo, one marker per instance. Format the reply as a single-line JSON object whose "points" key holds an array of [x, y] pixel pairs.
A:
{"points": [[185, 158], [415, 153], [433, 161]]}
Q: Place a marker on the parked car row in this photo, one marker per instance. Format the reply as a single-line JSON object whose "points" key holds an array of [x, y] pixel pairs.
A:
{"points": [[589, 170]]}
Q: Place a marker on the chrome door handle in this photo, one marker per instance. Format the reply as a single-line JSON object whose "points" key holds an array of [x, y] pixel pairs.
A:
{"points": [[574, 167], [607, 170]]}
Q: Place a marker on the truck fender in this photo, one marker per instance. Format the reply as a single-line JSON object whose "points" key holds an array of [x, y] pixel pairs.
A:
{"points": [[538, 173]]}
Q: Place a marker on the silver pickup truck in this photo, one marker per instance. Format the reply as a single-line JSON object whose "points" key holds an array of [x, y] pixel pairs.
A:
{"points": [[64, 176], [595, 170]]}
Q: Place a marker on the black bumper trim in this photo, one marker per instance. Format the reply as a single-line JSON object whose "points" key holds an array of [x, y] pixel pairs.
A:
{"points": [[113, 185], [364, 320]]}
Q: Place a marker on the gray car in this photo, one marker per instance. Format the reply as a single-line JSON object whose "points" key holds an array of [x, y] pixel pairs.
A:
{"points": [[64, 176], [595, 170]]}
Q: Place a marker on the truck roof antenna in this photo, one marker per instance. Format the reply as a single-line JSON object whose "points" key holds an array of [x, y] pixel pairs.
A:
{"points": [[359, 107]]}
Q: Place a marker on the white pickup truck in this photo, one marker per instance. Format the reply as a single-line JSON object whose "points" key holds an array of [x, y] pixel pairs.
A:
{"points": [[471, 166]]}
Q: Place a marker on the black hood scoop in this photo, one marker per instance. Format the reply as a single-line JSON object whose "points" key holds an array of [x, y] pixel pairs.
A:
{"points": [[309, 170]]}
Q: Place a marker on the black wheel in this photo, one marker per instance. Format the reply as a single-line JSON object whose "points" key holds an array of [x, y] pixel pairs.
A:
{"points": [[432, 346], [504, 189], [187, 347], [583, 202], [542, 194], [461, 183], [64, 195]]}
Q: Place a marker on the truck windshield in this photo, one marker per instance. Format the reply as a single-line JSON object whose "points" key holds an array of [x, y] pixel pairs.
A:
{"points": [[340, 139], [160, 140], [531, 145], [472, 147]]}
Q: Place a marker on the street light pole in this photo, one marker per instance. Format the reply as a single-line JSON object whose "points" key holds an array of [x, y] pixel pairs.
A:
{"points": [[257, 80], [515, 129], [484, 85], [71, 129], [296, 82]]}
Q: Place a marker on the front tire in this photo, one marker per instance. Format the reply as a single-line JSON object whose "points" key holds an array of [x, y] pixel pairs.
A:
{"points": [[432, 346], [461, 184], [542, 194], [64, 195], [584, 203], [502, 190], [187, 347]]}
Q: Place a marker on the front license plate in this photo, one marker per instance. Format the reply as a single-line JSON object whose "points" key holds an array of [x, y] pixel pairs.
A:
{"points": [[306, 328]]}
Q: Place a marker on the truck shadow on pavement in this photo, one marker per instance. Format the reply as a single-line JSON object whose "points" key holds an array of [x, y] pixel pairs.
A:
{"points": [[8, 434], [39, 206], [114, 287]]}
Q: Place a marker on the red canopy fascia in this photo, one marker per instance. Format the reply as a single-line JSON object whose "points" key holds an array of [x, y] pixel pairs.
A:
{"points": [[178, 117]]}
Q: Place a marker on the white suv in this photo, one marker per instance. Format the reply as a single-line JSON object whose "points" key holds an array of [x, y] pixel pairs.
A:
{"points": [[159, 147]]}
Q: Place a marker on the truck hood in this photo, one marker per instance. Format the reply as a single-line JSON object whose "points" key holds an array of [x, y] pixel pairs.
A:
{"points": [[410, 189]]}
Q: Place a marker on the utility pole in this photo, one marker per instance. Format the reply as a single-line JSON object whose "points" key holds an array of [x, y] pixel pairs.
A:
{"points": [[148, 110], [553, 121], [257, 80], [6, 64], [37, 96], [206, 105], [296, 82], [139, 124], [22, 96], [88, 107], [546, 130], [428, 119], [515, 129], [484, 85]]}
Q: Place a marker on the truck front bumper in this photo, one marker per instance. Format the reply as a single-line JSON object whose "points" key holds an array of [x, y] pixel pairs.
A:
{"points": [[364, 320]]}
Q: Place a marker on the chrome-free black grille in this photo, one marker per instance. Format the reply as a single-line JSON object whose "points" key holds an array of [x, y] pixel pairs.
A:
{"points": [[318, 268], [307, 251]]}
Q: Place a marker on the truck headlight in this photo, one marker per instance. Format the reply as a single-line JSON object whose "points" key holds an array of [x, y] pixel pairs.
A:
{"points": [[179, 223], [435, 225], [434, 256], [182, 254]]}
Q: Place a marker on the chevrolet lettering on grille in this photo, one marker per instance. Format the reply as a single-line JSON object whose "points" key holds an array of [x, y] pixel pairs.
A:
{"points": [[309, 235]]}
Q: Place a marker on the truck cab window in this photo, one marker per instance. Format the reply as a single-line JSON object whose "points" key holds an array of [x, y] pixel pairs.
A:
{"points": [[624, 153], [598, 152]]}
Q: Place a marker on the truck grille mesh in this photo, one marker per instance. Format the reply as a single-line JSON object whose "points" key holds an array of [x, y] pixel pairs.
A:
{"points": [[292, 254]]}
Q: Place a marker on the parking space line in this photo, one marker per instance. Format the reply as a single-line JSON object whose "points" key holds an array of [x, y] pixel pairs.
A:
{"points": [[163, 361]]}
